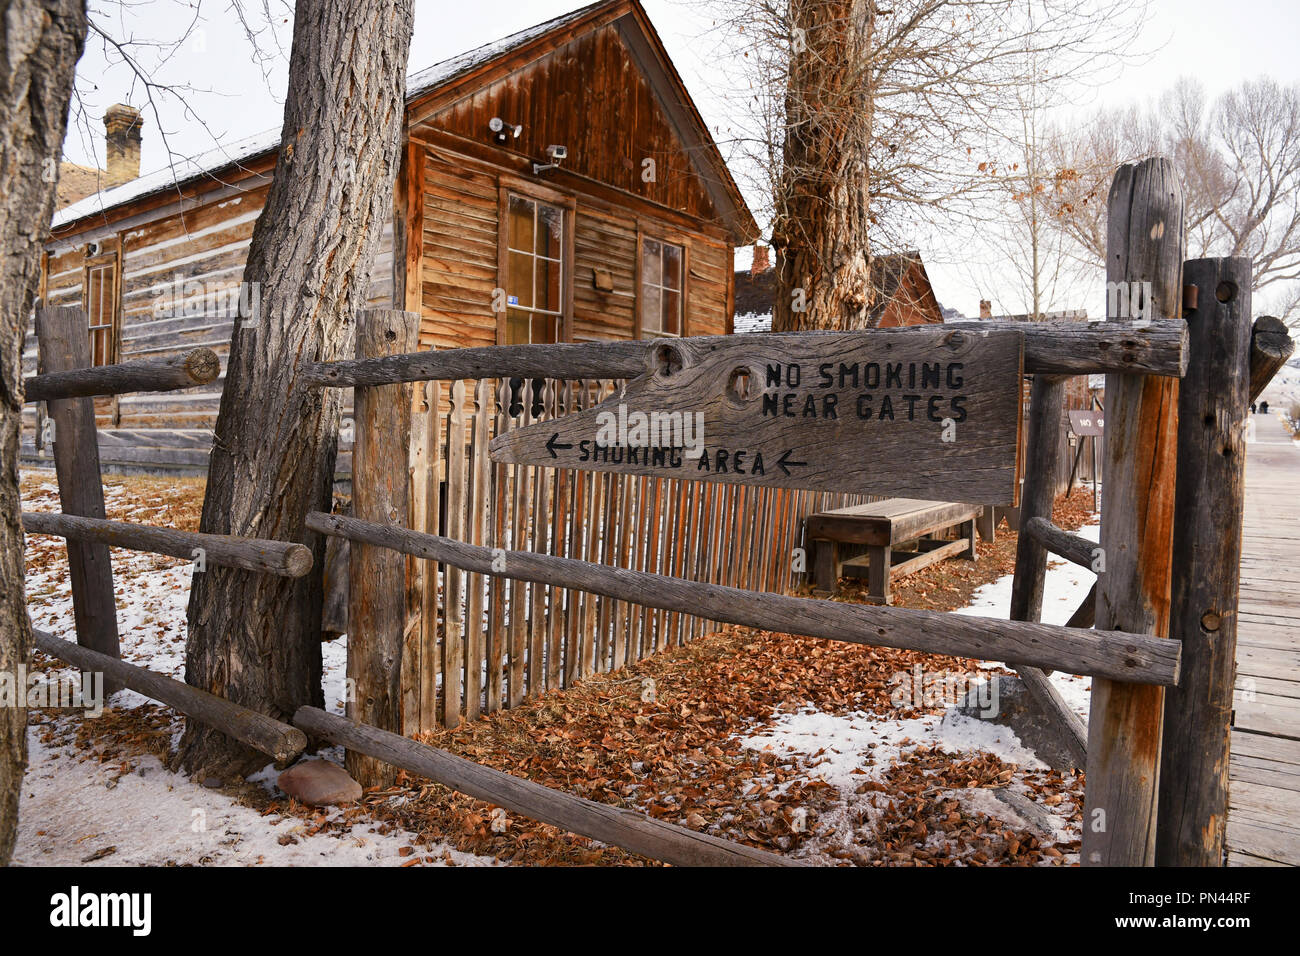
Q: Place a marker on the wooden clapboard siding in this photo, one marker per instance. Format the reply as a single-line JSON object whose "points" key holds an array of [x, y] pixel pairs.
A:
{"points": [[707, 288], [606, 241], [589, 95], [458, 269]]}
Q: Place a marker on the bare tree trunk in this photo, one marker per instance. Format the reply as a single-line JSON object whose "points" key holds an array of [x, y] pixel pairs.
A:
{"points": [[820, 228], [40, 43], [255, 639]]}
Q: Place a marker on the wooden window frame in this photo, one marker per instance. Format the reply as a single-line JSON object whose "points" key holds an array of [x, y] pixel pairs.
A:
{"points": [[657, 232], [508, 185], [113, 261]]}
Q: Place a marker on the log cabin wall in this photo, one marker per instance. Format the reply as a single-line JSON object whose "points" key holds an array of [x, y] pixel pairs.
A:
{"points": [[174, 276]]}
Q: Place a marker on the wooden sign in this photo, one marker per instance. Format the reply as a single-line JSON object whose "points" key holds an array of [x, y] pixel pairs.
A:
{"points": [[921, 412], [1086, 423]]}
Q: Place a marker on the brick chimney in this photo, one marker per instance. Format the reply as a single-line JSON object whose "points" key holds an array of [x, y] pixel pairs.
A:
{"points": [[122, 140], [986, 309], [762, 260]]}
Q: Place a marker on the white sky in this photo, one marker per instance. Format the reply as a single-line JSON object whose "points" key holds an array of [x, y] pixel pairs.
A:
{"points": [[1220, 44]]}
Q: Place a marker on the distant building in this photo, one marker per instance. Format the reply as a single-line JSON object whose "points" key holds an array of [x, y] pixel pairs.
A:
{"points": [[904, 295], [1063, 315]]}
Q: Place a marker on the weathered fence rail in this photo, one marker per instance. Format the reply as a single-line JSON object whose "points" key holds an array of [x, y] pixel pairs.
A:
{"points": [[281, 558], [600, 821], [262, 733], [1113, 654], [1051, 348], [187, 370]]}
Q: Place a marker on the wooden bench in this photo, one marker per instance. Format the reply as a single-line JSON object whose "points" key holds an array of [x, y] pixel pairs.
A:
{"points": [[879, 527]]}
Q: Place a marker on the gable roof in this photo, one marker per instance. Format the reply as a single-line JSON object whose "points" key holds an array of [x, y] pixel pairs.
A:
{"points": [[653, 58], [756, 293]]}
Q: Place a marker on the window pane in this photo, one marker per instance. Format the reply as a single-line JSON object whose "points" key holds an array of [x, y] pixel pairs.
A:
{"points": [[548, 285], [672, 312], [672, 267], [652, 262], [550, 231], [516, 327], [650, 309], [543, 327], [99, 313], [519, 280], [521, 224]]}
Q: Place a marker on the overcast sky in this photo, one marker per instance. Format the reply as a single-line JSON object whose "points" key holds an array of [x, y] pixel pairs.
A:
{"points": [[233, 95]]}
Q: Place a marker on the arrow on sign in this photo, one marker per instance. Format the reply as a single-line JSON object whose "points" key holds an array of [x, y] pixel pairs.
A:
{"points": [[784, 460], [552, 444]]}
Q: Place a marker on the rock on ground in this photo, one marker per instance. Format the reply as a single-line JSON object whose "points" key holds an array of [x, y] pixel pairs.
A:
{"points": [[319, 783]]}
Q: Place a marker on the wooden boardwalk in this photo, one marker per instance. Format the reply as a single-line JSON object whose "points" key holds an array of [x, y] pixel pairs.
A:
{"points": [[1264, 810]]}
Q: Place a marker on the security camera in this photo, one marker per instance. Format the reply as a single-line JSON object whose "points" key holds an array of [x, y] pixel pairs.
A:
{"points": [[557, 154]]}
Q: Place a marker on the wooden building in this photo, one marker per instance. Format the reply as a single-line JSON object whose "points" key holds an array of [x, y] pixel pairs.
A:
{"points": [[903, 294], [557, 185]]}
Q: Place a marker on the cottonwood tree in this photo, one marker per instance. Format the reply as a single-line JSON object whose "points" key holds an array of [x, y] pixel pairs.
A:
{"points": [[865, 119], [1238, 159], [820, 225], [40, 43], [255, 639]]}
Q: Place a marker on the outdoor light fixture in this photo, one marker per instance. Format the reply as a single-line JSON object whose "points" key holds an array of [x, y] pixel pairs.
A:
{"points": [[502, 131]]}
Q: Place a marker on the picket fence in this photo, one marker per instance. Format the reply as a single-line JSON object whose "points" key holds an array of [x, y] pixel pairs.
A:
{"points": [[476, 644]]}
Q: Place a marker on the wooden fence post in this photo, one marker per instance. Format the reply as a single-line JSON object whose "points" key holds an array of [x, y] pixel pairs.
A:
{"points": [[1144, 250], [377, 585], [1038, 494], [1212, 416], [63, 344]]}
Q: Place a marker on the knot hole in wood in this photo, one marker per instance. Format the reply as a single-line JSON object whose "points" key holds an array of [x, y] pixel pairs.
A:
{"points": [[667, 360]]}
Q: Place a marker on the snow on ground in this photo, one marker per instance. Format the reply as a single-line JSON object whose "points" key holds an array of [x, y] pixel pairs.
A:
{"points": [[78, 811], [846, 744], [846, 750], [73, 806], [1066, 585]]}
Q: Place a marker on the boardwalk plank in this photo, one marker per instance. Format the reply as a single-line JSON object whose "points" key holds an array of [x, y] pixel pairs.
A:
{"points": [[1264, 800]]}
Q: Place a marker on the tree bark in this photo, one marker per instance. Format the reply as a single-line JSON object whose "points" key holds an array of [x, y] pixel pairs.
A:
{"points": [[820, 229], [40, 43], [255, 639]]}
